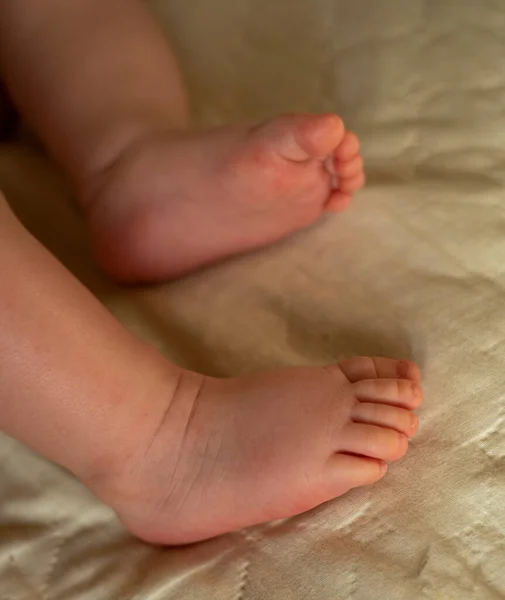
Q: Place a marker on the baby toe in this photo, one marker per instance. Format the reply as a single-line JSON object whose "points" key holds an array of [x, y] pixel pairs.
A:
{"points": [[401, 420], [366, 367], [338, 202], [406, 369], [348, 147], [372, 441], [344, 472], [349, 168], [395, 392], [301, 137], [351, 185]]}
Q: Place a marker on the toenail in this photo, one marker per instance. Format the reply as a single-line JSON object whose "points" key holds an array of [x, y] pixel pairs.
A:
{"points": [[335, 121], [403, 369], [384, 468], [416, 390], [414, 421], [403, 442]]}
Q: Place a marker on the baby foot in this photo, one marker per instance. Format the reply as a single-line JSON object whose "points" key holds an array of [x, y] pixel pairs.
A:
{"points": [[176, 201], [232, 453]]}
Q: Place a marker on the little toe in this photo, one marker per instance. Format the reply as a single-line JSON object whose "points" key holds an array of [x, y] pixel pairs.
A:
{"points": [[349, 185], [372, 441], [403, 421], [303, 137], [348, 148], [338, 202], [345, 472], [403, 393], [349, 168], [365, 367]]}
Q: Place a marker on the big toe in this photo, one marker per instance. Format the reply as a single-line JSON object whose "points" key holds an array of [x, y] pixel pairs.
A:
{"points": [[365, 367], [302, 137]]}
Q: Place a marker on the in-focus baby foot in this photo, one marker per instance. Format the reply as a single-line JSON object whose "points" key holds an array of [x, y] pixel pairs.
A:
{"points": [[176, 201], [232, 453]]}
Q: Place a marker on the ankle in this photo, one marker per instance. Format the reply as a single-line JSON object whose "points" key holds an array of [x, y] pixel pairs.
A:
{"points": [[114, 150], [124, 472], [120, 137]]}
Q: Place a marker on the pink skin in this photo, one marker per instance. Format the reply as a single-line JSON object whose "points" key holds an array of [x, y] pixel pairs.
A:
{"points": [[231, 453], [180, 457], [177, 201]]}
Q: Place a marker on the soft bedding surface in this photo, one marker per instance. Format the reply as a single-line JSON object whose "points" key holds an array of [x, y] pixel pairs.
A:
{"points": [[415, 269]]}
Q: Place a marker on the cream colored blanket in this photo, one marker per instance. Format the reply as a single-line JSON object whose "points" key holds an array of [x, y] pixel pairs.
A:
{"points": [[416, 268]]}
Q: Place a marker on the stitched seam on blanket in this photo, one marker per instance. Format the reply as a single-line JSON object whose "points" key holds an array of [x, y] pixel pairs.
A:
{"points": [[39, 591], [245, 571], [44, 586]]}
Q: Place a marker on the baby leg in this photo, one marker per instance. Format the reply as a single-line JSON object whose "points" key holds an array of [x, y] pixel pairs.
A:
{"points": [[101, 86], [179, 456]]}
